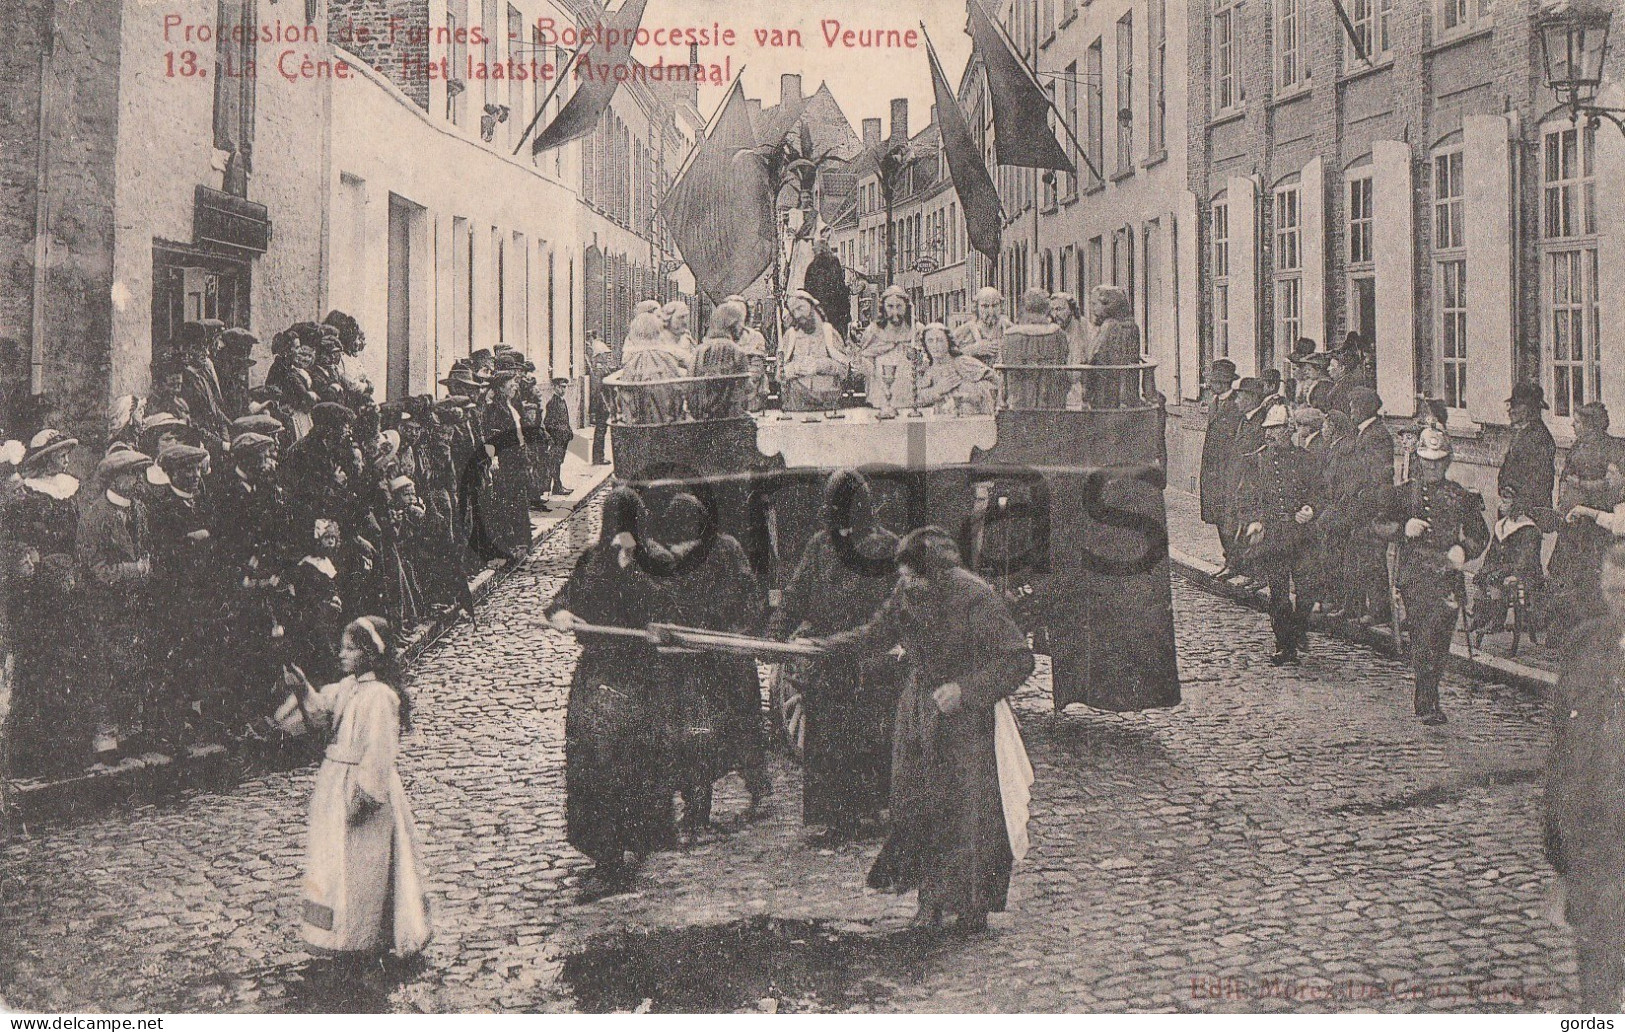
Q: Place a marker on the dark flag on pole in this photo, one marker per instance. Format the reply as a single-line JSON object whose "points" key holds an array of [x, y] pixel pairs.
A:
{"points": [[978, 197], [582, 111], [720, 209], [1021, 132]]}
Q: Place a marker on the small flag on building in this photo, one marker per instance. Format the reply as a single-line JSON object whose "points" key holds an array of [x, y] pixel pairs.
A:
{"points": [[1021, 132], [978, 197], [720, 209], [599, 71]]}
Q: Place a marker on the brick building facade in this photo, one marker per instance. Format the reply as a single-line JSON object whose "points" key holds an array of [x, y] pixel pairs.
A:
{"points": [[1420, 190]]}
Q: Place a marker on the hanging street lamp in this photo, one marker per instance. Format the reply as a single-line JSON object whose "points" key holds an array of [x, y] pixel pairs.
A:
{"points": [[1573, 37]]}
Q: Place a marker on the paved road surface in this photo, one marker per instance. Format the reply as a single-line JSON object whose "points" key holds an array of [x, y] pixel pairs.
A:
{"points": [[1284, 840]]}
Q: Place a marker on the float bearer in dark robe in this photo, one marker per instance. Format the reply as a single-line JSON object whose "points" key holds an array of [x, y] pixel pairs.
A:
{"points": [[846, 572], [617, 771], [966, 653], [1218, 448]]}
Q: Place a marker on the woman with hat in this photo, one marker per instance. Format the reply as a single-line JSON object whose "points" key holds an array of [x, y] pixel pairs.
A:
{"points": [[41, 520], [949, 836], [618, 772], [363, 887], [352, 341], [114, 552], [887, 353], [293, 353]]}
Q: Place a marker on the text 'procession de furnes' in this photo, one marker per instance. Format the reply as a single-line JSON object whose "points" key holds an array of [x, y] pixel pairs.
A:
{"points": [[293, 64]]}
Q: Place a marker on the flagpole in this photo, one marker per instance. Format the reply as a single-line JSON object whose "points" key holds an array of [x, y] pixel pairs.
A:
{"points": [[1034, 79], [1036, 263], [557, 83]]}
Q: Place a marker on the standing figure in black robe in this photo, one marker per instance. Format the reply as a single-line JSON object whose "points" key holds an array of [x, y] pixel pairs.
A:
{"points": [[845, 575], [965, 652], [718, 722], [617, 774]]}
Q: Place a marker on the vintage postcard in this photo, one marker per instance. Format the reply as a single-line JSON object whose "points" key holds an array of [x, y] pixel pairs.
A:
{"points": [[906, 506]]}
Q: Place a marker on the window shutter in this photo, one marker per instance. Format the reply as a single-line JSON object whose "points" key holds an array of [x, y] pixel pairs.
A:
{"points": [[1243, 195], [1312, 243], [1393, 249], [1487, 172], [1610, 157], [1187, 302]]}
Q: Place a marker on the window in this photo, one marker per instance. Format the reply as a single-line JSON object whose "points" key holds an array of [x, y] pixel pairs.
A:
{"points": [[1454, 17], [1069, 180], [1069, 10], [1094, 68], [488, 25], [1450, 278], [1288, 268], [1370, 19], [1123, 260], [1359, 216], [1219, 241], [1125, 94], [1226, 55], [516, 86], [1156, 79], [1289, 69], [1569, 316], [1048, 29]]}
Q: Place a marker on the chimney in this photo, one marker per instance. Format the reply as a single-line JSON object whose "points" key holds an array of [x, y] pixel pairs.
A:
{"points": [[899, 119], [871, 133], [754, 109], [789, 88], [933, 115]]}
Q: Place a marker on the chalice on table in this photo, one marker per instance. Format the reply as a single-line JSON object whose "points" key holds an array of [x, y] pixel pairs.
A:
{"points": [[888, 376]]}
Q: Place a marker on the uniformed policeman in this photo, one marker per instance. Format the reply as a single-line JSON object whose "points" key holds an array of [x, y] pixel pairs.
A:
{"points": [[1277, 498], [1440, 527]]}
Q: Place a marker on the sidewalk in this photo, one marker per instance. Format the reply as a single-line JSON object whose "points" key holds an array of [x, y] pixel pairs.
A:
{"points": [[1193, 546], [154, 774]]}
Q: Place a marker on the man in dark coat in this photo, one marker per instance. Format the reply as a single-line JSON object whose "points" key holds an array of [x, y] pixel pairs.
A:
{"points": [[966, 654], [233, 359], [826, 280], [254, 543], [200, 383], [1440, 527], [1371, 472], [1530, 467], [320, 473], [186, 579], [1585, 793], [1224, 416], [844, 577], [556, 424], [1342, 369], [1277, 497]]}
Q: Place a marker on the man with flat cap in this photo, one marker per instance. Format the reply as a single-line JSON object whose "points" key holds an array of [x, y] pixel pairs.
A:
{"points": [[1277, 498], [255, 542], [114, 552], [1440, 527], [1218, 449], [1530, 468]]}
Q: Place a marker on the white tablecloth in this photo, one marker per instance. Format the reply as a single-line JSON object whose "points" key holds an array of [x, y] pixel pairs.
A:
{"points": [[861, 439]]}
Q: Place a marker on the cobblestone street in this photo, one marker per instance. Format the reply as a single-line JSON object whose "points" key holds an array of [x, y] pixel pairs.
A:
{"points": [[1283, 840]]}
